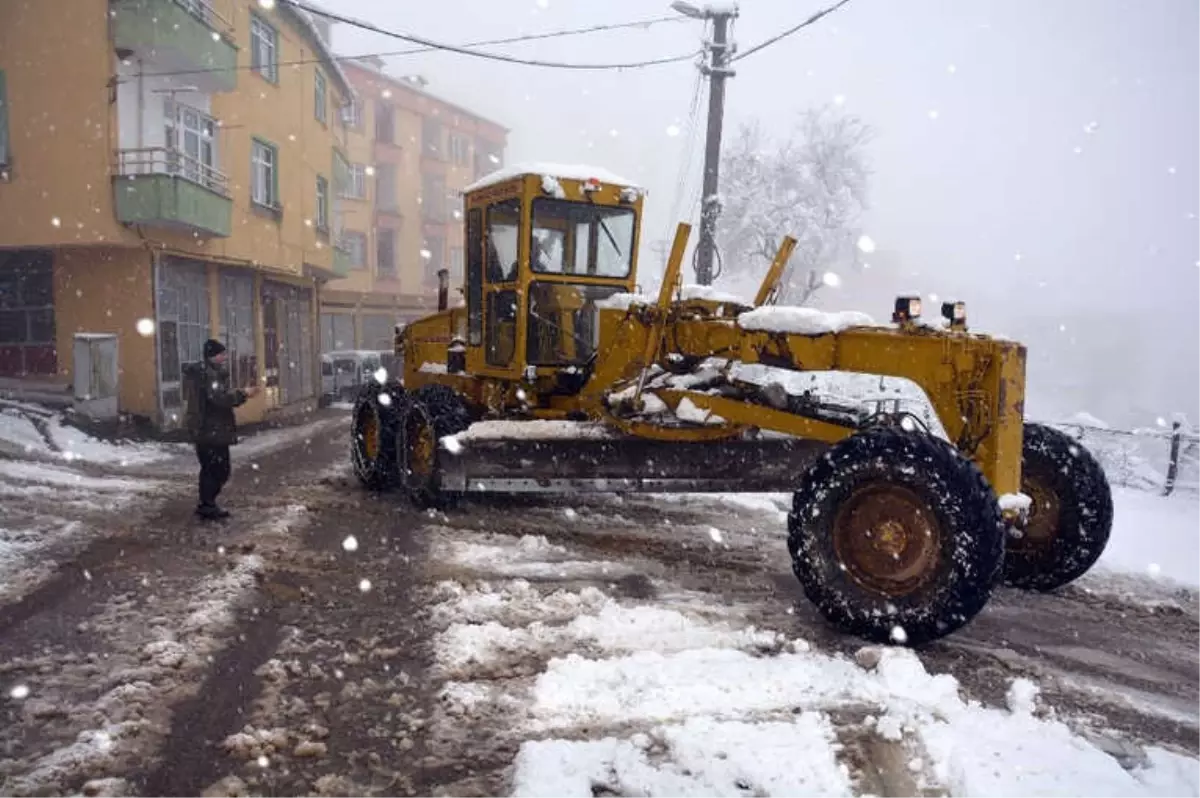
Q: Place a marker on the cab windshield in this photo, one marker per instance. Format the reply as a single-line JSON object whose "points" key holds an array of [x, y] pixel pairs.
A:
{"points": [[581, 238]]}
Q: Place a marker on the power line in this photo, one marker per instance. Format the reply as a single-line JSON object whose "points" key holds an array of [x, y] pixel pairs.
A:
{"points": [[643, 23], [461, 50], [767, 43]]}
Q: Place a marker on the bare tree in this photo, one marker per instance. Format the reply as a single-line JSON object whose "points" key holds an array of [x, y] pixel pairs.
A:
{"points": [[811, 185]]}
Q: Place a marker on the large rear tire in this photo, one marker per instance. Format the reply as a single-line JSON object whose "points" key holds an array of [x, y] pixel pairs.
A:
{"points": [[377, 411], [1070, 515], [432, 413], [896, 536]]}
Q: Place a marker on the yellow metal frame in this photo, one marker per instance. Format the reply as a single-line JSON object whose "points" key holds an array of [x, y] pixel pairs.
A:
{"points": [[975, 384]]}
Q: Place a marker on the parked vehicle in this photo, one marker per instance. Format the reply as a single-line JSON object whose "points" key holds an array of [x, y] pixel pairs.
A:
{"points": [[344, 373]]}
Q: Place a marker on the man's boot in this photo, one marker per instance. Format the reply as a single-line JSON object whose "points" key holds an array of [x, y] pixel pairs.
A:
{"points": [[211, 512]]}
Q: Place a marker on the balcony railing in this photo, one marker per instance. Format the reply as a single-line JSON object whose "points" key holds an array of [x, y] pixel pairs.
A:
{"points": [[204, 11], [168, 161]]}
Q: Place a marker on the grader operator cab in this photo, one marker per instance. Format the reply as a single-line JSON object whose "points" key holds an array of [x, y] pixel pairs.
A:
{"points": [[555, 377]]}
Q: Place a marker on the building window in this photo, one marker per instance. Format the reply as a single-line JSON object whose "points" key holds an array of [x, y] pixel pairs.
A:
{"points": [[356, 182], [264, 48], [436, 249], [264, 174], [337, 332], [431, 137], [322, 204], [385, 252], [191, 139], [433, 198], [385, 126], [27, 344], [460, 150], [352, 113], [486, 160], [237, 328], [385, 187], [319, 100], [354, 244]]}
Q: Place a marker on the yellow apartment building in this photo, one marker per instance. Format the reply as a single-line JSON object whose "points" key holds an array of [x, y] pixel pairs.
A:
{"points": [[167, 174], [411, 154]]}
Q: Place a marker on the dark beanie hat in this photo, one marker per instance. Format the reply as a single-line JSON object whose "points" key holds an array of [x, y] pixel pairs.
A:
{"points": [[212, 348]]}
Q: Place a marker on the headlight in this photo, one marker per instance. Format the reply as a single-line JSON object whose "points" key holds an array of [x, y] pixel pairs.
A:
{"points": [[907, 309], [954, 311]]}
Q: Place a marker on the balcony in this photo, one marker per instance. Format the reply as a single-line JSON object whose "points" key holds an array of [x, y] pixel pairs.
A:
{"points": [[178, 35], [166, 188]]}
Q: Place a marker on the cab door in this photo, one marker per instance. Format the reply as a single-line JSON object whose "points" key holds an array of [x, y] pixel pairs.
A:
{"points": [[495, 250]]}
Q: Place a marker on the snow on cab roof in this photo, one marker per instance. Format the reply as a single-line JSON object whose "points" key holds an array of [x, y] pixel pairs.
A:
{"points": [[577, 171]]}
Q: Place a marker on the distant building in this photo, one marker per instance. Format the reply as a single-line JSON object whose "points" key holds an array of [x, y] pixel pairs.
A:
{"points": [[167, 174], [410, 155]]}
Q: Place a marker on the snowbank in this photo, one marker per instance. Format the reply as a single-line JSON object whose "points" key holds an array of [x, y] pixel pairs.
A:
{"points": [[59, 440], [623, 301], [710, 294], [1155, 536], [802, 321]]}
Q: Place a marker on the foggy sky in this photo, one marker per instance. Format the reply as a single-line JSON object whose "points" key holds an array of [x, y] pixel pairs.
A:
{"points": [[1016, 86]]}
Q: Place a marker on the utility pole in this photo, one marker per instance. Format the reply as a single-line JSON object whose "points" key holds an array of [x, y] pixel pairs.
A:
{"points": [[720, 49]]}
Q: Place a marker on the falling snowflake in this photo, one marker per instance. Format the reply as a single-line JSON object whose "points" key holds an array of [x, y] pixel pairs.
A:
{"points": [[381, 375], [839, 99], [715, 534], [364, 585], [1091, 127], [933, 113], [385, 400], [426, 254], [951, 68], [369, 171], [832, 280], [262, 758], [145, 327], [866, 244], [1017, 256], [56, 222], [898, 635], [19, 692], [570, 514], [1078, 150], [350, 543], [672, 130], [1154, 569], [1170, 170]]}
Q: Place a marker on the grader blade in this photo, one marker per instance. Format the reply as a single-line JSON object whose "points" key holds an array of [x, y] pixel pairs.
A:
{"points": [[624, 465]]}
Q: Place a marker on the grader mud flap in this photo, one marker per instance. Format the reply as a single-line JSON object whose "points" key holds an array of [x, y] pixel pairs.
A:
{"points": [[625, 465]]}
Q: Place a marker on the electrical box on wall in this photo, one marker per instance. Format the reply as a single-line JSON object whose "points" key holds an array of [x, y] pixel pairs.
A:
{"points": [[96, 376]]}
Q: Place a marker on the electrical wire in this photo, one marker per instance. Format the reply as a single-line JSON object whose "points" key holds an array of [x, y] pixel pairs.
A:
{"points": [[783, 35], [554, 34], [454, 48]]}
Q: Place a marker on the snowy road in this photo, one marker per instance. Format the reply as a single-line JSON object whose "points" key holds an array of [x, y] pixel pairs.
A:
{"points": [[332, 642]]}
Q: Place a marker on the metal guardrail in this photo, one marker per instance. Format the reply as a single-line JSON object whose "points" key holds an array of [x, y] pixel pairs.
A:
{"points": [[1161, 460], [204, 11], [168, 161]]}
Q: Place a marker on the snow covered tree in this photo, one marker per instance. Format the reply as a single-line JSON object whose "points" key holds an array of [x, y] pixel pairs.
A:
{"points": [[811, 185]]}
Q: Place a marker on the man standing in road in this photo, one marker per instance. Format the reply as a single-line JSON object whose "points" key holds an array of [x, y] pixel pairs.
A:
{"points": [[213, 426]]}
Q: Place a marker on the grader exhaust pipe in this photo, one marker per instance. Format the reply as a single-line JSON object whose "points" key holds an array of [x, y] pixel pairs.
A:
{"points": [[443, 276]]}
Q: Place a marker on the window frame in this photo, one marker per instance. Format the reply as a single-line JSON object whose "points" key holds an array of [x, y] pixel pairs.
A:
{"points": [[322, 214], [594, 231], [393, 269], [272, 203], [265, 35], [359, 238], [320, 97]]}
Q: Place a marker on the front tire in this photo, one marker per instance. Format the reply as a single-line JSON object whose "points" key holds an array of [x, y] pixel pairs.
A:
{"points": [[896, 536], [433, 412], [377, 411], [1070, 515]]}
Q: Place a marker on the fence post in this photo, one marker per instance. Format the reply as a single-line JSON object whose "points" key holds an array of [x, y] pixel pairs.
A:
{"points": [[1173, 463]]}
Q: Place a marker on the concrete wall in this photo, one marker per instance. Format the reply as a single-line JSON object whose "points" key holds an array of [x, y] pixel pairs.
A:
{"points": [[108, 290]]}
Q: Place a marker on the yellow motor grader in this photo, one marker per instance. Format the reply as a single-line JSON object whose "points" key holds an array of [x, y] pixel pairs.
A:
{"points": [[554, 376]]}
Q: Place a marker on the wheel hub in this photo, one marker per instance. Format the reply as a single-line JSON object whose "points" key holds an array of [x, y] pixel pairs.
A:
{"points": [[887, 539], [370, 433], [1045, 510]]}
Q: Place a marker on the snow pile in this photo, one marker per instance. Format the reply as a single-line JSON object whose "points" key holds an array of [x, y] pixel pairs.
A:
{"points": [[687, 410], [581, 172], [532, 558], [710, 294], [56, 439], [551, 186], [702, 756], [534, 429], [513, 603], [613, 628], [1015, 503], [1153, 536], [623, 301], [802, 321]]}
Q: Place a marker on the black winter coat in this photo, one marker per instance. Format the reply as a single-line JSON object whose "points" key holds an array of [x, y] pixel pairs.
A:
{"points": [[210, 405]]}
